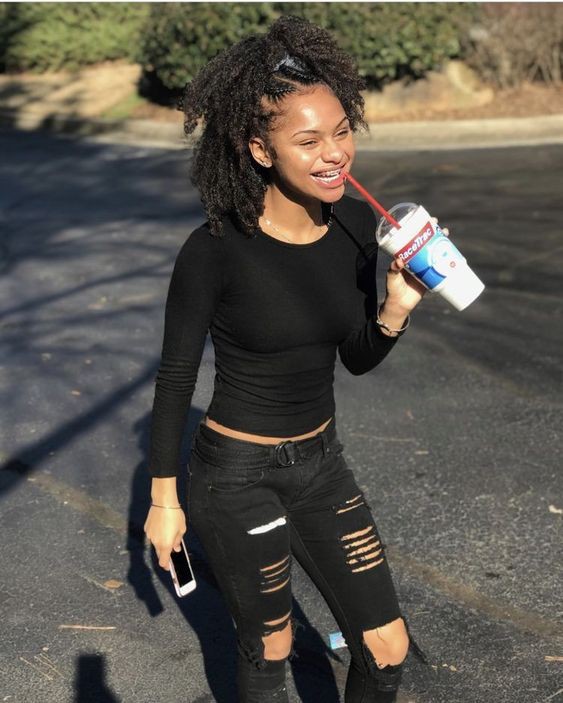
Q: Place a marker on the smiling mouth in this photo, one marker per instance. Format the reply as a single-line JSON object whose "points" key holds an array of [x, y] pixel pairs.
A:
{"points": [[328, 176]]}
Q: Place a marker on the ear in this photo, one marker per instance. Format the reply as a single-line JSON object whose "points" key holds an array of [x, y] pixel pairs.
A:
{"points": [[259, 152]]}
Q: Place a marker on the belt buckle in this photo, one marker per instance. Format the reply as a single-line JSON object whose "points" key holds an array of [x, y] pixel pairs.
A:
{"points": [[283, 446]]}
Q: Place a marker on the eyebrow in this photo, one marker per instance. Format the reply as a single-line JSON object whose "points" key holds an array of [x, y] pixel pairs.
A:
{"points": [[316, 131]]}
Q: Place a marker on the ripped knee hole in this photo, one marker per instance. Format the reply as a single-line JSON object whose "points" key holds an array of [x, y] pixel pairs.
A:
{"points": [[388, 644], [278, 632]]}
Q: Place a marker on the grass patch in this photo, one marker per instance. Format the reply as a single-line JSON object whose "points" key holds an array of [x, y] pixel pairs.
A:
{"points": [[123, 109]]}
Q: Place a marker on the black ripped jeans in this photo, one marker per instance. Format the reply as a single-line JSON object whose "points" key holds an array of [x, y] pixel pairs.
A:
{"points": [[254, 507]]}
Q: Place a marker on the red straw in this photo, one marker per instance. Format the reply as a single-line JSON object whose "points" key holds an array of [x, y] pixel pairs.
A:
{"points": [[372, 200]]}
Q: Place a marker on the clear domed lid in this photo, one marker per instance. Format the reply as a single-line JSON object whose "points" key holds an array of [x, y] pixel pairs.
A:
{"points": [[399, 212]]}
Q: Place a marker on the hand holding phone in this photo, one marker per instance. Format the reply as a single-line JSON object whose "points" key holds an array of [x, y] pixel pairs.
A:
{"points": [[181, 571]]}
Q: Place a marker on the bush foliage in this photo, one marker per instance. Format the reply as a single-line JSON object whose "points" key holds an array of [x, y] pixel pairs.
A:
{"points": [[389, 41], [515, 42], [507, 43], [178, 39], [54, 36]]}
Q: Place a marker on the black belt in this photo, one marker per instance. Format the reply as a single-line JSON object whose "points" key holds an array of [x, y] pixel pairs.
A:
{"points": [[283, 454]]}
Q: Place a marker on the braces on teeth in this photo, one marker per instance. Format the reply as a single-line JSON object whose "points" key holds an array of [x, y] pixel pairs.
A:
{"points": [[327, 175]]}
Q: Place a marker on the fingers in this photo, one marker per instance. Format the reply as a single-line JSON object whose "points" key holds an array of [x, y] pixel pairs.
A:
{"points": [[164, 553], [164, 530], [445, 230], [164, 558], [396, 266]]}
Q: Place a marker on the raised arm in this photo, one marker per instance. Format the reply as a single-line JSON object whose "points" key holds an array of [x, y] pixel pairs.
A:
{"points": [[368, 344]]}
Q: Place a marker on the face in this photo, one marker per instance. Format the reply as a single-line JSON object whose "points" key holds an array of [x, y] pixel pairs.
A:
{"points": [[312, 146]]}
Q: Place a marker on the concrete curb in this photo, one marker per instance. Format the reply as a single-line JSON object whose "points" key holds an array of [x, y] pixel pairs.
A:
{"points": [[388, 136], [465, 134]]}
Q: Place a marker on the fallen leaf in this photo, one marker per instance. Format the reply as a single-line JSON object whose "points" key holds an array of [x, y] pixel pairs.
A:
{"points": [[75, 392], [549, 658], [113, 583], [556, 511], [87, 627]]}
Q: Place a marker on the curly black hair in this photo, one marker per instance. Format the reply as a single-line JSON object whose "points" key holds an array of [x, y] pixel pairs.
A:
{"points": [[228, 94]]}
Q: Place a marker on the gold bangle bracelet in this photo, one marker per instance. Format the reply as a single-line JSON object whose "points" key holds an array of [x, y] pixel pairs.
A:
{"points": [[168, 507]]}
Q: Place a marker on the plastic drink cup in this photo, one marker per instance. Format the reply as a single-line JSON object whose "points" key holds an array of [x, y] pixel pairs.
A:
{"points": [[429, 254]]}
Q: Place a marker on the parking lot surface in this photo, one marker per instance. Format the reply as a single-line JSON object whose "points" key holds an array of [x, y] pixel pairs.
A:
{"points": [[455, 438]]}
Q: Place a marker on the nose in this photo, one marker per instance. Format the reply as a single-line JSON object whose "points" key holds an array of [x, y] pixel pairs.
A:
{"points": [[332, 152]]}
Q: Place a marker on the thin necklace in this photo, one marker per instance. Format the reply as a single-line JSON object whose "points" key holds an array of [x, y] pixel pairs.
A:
{"points": [[291, 241]]}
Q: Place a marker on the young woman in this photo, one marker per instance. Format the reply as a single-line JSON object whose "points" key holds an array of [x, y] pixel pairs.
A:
{"points": [[283, 276]]}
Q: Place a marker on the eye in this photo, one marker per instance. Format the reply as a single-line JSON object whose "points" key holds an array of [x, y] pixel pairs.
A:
{"points": [[343, 132], [308, 143]]}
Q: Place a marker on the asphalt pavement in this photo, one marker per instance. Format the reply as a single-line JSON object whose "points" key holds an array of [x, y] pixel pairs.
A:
{"points": [[455, 437]]}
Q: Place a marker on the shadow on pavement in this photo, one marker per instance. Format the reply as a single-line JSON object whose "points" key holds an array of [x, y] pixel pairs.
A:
{"points": [[62, 186], [29, 458], [89, 684]]}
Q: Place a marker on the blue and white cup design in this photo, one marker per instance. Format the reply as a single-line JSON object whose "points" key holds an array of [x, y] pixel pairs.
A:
{"points": [[433, 258]]}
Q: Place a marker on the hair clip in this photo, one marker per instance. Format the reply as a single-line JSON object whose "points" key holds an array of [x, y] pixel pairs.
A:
{"points": [[291, 67]]}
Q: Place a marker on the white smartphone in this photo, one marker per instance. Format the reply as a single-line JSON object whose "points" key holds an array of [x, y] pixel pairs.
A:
{"points": [[181, 572]]}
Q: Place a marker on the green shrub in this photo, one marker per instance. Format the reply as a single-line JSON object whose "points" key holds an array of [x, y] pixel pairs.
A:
{"points": [[53, 36], [172, 41], [180, 38], [11, 24], [389, 41]]}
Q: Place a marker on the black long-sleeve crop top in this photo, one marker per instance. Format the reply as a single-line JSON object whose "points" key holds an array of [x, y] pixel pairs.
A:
{"points": [[277, 313]]}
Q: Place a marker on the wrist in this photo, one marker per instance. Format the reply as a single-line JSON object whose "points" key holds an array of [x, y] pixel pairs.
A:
{"points": [[164, 492], [393, 308], [392, 321]]}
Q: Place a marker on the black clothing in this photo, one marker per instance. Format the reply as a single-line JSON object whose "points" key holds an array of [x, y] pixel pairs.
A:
{"points": [[254, 508], [277, 313]]}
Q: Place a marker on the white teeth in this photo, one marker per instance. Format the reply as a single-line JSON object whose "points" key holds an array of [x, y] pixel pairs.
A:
{"points": [[327, 176]]}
